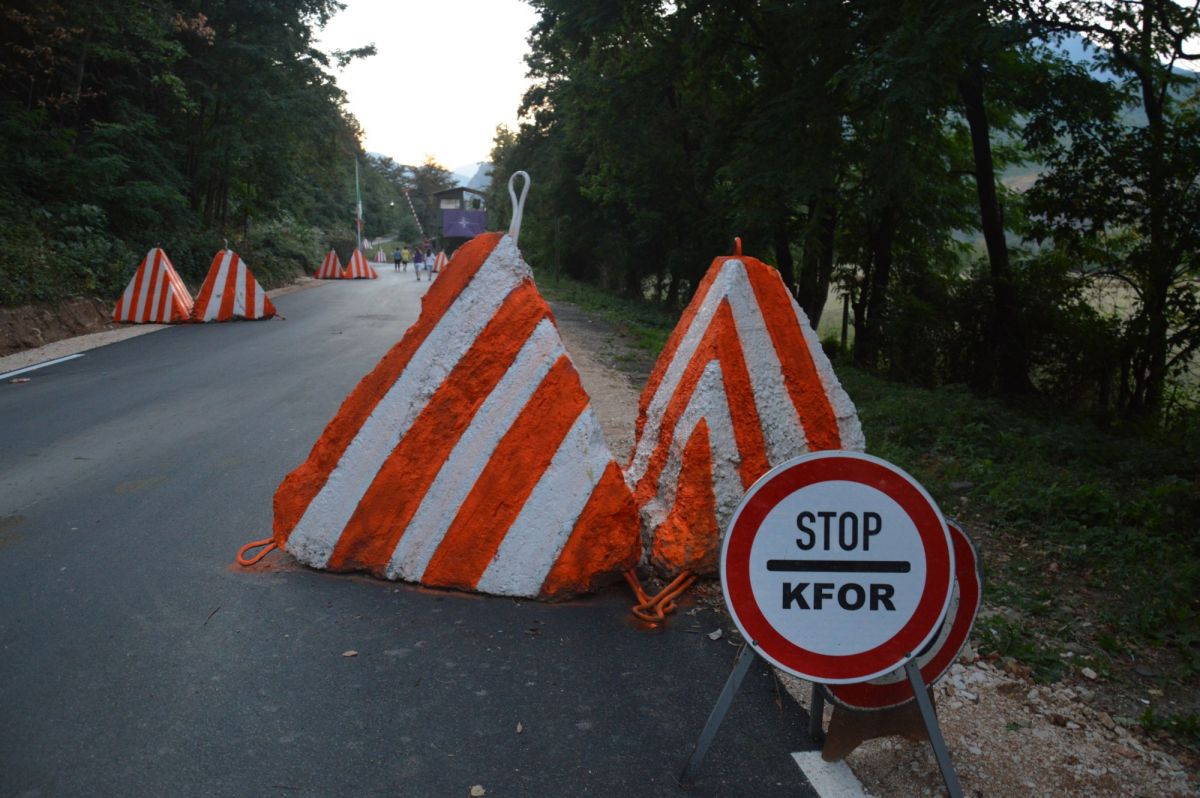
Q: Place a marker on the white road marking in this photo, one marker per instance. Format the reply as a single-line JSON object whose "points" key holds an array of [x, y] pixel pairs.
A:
{"points": [[829, 779], [54, 362]]}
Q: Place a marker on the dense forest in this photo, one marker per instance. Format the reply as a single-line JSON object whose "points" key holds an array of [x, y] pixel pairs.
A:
{"points": [[130, 123], [862, 148]]}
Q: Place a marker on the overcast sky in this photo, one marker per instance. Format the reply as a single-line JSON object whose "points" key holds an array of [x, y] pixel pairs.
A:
{"points": [[446, 74]]}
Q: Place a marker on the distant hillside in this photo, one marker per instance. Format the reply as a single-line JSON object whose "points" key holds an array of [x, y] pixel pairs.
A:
{"points": [[475, 175], [1078, 49]]}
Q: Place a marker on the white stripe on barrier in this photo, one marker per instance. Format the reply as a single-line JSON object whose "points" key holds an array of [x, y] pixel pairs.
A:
{"points": [[471, 454], [762, 362], [708, 402], [139, 312], [849, 427], [218, 290], [317, 532], [547, 519]]}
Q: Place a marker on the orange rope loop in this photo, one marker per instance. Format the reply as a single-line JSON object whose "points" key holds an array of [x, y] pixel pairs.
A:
{"points": [[268, 545], [654, 609]]}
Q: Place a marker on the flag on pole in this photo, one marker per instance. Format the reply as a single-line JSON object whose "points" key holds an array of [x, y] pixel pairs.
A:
{"points": [[358, 214]]}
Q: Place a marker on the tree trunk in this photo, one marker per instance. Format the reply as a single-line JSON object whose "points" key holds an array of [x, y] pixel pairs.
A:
{"points": [[867, 321], [1005, 341], [826, 230], [1160, 268]]}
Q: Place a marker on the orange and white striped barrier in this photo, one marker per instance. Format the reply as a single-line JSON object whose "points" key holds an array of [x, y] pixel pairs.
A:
{"points": [[380, 257], [231, 292], [359, 269], [331, 268], [440, 261], [741, 386], [155, 294], [470, 457]]}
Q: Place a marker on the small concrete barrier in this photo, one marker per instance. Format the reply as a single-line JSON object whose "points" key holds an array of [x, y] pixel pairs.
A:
{"points": [[230, 292], [155, 294]]}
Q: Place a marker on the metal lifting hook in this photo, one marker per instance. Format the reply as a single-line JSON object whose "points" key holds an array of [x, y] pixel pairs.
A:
{"points": [[514, 229]]}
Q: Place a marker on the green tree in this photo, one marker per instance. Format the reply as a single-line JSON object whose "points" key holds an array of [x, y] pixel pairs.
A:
{"points": [[1122, 196]]}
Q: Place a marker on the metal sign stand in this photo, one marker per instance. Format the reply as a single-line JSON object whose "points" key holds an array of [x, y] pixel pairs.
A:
{"points": [[921, 692], [741, 666]]}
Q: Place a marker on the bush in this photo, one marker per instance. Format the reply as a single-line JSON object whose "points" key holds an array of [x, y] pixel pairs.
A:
{"points": [[57, 253], [282, 249]]}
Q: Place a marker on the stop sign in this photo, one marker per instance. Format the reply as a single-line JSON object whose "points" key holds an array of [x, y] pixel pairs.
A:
{"points": [[837, 567]]}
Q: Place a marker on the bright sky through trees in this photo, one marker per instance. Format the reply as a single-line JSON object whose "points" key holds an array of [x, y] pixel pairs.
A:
{"points": [[445, 75]]}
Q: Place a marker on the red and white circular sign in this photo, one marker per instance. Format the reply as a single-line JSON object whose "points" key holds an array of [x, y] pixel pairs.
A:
{"points": [[837, 567], [935, 659]]}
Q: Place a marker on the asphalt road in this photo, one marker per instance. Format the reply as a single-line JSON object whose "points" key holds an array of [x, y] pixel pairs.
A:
{"points": [[137, 659]]}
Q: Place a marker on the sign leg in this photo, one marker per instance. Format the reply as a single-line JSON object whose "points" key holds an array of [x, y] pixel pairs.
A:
{"points": [[816, 715], [931, 725], [741, 665]]}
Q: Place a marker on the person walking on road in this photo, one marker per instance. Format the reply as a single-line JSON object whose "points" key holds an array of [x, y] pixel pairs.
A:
{"points": [[396, 260], [407, 256], [419, 263]]}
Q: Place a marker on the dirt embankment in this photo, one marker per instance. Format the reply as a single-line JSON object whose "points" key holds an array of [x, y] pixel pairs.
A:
{"points": [[30, 326]]}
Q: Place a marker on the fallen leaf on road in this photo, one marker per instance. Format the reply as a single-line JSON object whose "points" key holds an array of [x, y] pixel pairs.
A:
{"points": [[478, 791], [520, 728], [714, 635], [350, 653]]}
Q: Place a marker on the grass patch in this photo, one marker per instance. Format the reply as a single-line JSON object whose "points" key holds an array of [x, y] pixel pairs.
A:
{"points": [[1091, 536], [646, 322], [1183, 727]]}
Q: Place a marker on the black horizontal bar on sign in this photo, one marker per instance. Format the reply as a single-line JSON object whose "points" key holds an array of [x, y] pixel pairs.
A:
{"points": [[841, 566]]}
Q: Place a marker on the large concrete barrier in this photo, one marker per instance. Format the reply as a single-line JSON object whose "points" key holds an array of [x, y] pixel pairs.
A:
{"points": [[470, 457], [741, 386]]}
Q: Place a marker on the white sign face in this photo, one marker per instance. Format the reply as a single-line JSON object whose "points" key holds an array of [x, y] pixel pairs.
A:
{"points": [[839, 566]]}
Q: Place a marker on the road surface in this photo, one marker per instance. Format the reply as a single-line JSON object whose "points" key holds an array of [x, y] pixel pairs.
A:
{"points": [[136, 659]]}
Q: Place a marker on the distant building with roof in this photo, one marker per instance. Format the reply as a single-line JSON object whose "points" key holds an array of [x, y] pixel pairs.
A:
{"points": [[463, 215]]}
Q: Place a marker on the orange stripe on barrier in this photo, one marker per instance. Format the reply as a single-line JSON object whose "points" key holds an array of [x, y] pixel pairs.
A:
{"points": [[747, 426], [600, 543], [251, 295], [301, 485], [720, 342], [152, 292], [496, 498], [397, 491], [206, 289], [132, 311], [231, 286], [689, 536], [799, 372], [672, 346], [160, 303]]}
